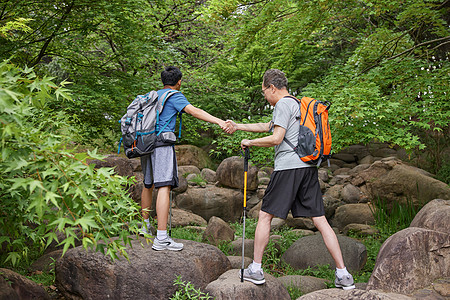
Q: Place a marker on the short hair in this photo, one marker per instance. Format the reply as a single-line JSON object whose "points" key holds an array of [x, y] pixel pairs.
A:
{"points": [[275, 77], [171, 75]]}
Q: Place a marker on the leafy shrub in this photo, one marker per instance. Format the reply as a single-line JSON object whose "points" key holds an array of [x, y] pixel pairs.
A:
{"points": [[47, 188], [186, 290]]}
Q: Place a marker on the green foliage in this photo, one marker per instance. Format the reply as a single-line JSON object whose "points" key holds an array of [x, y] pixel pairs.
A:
{"points": [[395, 217], [444, 173], [186, 290], [229, 145], [47, 188]]}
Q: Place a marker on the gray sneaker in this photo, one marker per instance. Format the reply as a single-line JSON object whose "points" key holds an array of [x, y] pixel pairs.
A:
{"points": [[166, 244], [149, 230], [344, 282], [255, 277]]}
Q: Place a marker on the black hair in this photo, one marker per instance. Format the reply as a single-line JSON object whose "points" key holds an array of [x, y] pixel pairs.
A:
{"points": [[171, 75]]}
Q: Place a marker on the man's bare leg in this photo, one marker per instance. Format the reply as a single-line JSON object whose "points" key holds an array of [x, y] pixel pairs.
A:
{"points": [[146, 202], [330, 239], [162, 207], [262, 235]]}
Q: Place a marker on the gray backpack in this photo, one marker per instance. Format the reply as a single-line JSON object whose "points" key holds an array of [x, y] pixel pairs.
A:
{"points": [[140, 125]]}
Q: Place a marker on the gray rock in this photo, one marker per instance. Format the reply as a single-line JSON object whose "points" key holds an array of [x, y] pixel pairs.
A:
{"points": [[209, 175], [228, 286], [6, 290], [330, 204], [342, 171], [306, 284], [20, 286], [360, 229], [236, 261], [360, 213], [187, 170], [189, 155], [334, 161], [435, 215], [182, 217], [357, 150], [347, 157], [323, 174], [299, 223], [218, 231], [369, 159], [410, 260], [148, 274], [182, 186], [334, 191], [311, 251], [356, 294], [254, 212], [248, 247], [277, 223], [46, 262], [350, 194], [226, 204], [230, 173], [121, 164], [394, 181]]}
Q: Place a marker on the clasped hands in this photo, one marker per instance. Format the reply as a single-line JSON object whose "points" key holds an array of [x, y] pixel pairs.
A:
{"points": [[230, 127]]}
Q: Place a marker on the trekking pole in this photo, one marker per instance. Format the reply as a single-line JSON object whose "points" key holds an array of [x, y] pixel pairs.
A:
{"points": [[170, 214], [246, 158]]}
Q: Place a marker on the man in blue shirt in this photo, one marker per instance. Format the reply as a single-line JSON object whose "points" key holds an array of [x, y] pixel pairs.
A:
{"points": [[160, 167]]}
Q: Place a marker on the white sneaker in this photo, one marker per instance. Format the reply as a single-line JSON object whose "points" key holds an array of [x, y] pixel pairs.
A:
{"points": [[167, 243], [255, 277], [147, 230]]}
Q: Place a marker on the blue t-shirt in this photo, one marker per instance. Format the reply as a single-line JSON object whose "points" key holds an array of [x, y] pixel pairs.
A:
{"points": [[175, 104]]}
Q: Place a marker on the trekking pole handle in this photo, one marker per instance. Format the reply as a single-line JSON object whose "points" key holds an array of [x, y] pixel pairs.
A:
{"points": [[246, 158]]}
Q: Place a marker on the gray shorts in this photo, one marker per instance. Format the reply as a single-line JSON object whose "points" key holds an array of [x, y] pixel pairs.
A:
{"points": [[296, 190], [160, 168]]}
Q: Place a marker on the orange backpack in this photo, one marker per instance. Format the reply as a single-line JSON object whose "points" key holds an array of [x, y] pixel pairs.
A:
{"points": [[314, 139]]}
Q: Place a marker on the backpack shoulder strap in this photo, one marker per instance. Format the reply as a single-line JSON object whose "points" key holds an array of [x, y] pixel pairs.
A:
{"points": [[298, 118], [161, 102]]}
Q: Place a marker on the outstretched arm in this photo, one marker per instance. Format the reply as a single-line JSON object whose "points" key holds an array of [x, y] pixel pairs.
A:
{"points": [[204, 116], [255, 127], [268, 141]]}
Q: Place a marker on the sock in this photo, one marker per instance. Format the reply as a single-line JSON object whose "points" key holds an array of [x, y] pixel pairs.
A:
{"points": [[161, 234], [341, 272], [255, 266], [147, 222]]}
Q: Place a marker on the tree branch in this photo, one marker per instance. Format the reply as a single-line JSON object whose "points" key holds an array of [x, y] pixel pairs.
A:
{"points": [[50, 38], [417, 46]]}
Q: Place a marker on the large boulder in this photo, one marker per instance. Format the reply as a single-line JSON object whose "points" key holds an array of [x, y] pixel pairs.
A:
{"points": [[229, 287], [306, 284], [311, 251], [182, 217], [191, 155], [148, 274], [359, 213], [435, 215], [226, 204], [122, 165], [16, 286], [393, 181], [339, 294], [218, 231], [411, 259], [230, 173]]}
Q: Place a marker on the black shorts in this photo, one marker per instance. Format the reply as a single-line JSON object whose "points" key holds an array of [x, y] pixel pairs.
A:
{"points": [[297, 190]]}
